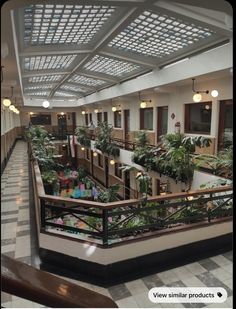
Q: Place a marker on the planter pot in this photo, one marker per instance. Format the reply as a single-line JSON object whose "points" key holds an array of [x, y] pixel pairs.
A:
{"points": [[48, 189]]}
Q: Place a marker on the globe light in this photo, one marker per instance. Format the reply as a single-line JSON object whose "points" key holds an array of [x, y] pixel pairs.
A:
{"points": [[31, 113], [83, 112], [6, 102], [113, 109], [143, 104], [96, 111], [82, 148], [112, 162], [62, 113], [12, 107], [46, 104], [197, 97], [17, 112], [214, 93], [207, 106], [95, 154]]}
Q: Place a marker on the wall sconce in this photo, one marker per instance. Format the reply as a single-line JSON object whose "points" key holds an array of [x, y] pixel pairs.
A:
{"points": [[112, 162], [197, 97], [96, 111], [113, 108], [143, 103], [62, 113], [6, 101], [95, 154], [83, 112], [46, 104], [82, 148]]}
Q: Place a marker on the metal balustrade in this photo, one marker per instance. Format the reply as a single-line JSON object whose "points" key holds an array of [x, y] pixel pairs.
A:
{"points": [[109, 223]]}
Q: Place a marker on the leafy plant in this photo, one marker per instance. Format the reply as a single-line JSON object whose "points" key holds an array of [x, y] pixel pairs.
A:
{"points": [[82, 173], [103, 141], [49, 177], [83, 137], [110, 195]]}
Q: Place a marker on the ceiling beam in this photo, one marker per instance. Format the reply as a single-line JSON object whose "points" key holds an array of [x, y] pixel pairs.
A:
{"points": [[43, 72]]}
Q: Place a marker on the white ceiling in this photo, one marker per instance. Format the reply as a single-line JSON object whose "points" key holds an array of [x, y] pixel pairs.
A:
{"points": [[66, 50]]}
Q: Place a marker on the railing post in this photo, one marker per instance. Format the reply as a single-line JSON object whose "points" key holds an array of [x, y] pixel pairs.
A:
{"points": [[43, 213], [209, 211], [105, 226]]}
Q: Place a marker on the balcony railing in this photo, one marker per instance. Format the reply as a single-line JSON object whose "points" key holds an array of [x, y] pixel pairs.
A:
{"points": [[115, 222]]}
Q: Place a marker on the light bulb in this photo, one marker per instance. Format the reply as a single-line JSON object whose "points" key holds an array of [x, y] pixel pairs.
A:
{"points": [[82, 148], [46, 104], [197, 97], [143, 104], [6, 102], [95, 154], [214, 93], [12, 107], [207, 106], [113, 109], [62, 113], [31, 113], [96, 111], [17, 111], [83, 113], [112, 162], [138, 174]]}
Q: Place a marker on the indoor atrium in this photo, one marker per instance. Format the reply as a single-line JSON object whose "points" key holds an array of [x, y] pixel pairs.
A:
{"points": [[116, 153]]}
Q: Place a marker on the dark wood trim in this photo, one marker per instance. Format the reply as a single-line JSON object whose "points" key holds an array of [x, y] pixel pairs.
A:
{"points": [[160, 120], [133, 268], [105, 117], [86, 118], [223, 105], [42, 287]]}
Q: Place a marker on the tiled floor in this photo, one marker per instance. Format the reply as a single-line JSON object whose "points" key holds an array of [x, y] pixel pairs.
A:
{"points": [[17, 242]]}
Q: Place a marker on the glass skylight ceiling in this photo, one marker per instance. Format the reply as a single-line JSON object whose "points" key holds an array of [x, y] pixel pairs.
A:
{"points": [[63, 24], [158, 35], [88, 47], [48, 62], [45, 78], [38, 93], [84, 80], [110, 66], [74, 88]]}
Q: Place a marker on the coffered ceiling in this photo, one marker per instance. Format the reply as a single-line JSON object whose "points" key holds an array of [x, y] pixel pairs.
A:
{"points": [[66, 50]]}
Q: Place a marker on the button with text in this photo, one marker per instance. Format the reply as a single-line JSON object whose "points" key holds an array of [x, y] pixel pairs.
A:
{"points": [[187, 295]]}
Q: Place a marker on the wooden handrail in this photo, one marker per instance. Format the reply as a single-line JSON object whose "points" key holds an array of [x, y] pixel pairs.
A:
{"points": [[44, 288]]}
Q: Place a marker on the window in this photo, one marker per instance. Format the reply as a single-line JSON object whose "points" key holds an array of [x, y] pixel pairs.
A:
{"points": [[100, 160], [117, 119], [99, 117], [118, 172], [105, 116], [198, 118], [90, 117], [40, 119], [146, 118]]}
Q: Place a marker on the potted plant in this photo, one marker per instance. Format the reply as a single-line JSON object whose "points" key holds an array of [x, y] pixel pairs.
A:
{"points": [[83, 137]]}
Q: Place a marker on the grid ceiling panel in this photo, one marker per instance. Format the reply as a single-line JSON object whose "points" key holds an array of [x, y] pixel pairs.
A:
{"points": [[63, 23], [64, 94], [38, 93], [158, 35], [110, 66], [89, 81], [74, 88], [45, 78], [35, 87], [48, 62]]}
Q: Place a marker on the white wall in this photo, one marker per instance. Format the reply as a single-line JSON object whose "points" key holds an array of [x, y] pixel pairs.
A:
{"points": [[9, 120]]}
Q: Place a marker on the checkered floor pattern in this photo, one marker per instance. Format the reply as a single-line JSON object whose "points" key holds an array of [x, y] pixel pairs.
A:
{"points": [[16, 242]]}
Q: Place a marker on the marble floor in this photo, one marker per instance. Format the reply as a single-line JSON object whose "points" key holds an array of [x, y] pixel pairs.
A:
{"points": [[18, 241]]}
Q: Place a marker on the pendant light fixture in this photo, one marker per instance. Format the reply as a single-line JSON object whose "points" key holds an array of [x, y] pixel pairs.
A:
{"points": [[46, 104], [143, 104]]}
